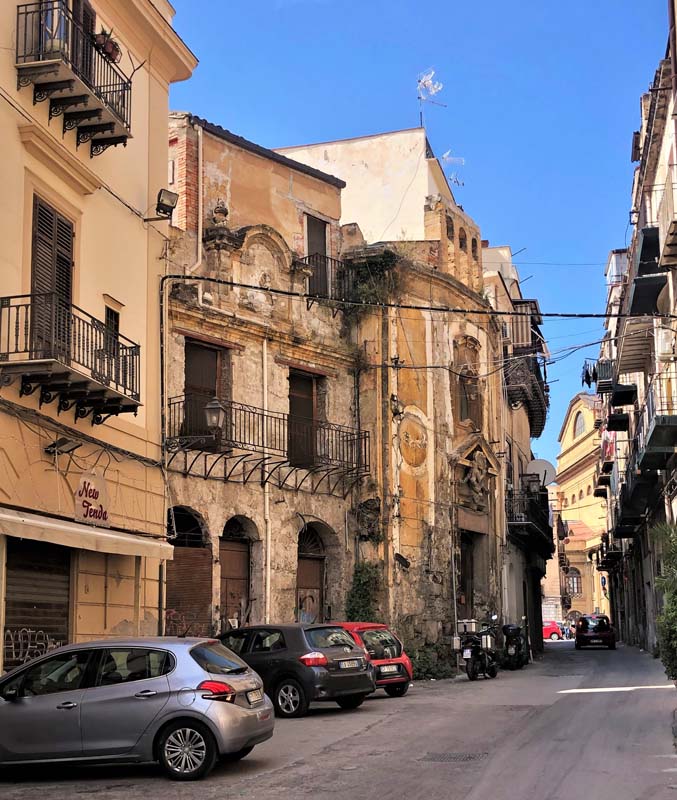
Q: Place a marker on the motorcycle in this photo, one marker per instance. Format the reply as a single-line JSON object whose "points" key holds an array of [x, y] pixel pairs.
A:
{"points": [[478, 650], [515, 649]]}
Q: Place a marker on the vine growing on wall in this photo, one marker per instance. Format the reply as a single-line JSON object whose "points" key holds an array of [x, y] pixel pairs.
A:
{"points": [[362, 599], [665, 537], [373, 280]]}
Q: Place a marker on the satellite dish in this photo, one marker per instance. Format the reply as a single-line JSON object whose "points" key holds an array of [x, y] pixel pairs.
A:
{"points": [[544, 469]]}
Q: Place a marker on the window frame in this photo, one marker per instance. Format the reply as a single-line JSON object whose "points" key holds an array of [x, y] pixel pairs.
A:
{"points": [[87, 675], [106, 651]]}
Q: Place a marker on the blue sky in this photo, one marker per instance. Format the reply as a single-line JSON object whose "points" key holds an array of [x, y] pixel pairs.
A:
{"points": [[542, 99]]}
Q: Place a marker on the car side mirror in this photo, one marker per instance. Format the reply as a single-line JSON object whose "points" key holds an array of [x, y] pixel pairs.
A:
{"points": [[11, 694]]}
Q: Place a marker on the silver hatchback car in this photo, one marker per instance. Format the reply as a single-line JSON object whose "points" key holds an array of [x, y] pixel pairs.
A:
{"points": [[182, 702]]}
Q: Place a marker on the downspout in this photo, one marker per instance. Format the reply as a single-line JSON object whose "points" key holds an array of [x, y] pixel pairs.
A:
{"points": [[266, 485]]}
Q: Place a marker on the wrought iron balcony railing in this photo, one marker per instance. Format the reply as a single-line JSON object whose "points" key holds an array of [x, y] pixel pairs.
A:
{"points": [[68, 64], [43, 328], [329, 279], [529, 512], [299, 442]]}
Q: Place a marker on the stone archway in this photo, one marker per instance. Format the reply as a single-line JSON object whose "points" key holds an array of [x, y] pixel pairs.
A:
{"points": [[235, 557]]}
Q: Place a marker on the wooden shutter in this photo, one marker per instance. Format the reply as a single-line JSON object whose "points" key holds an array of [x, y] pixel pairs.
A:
{"points": [[82, 44], [317, 256], [52, 257], [301, 419], [201, 385]]}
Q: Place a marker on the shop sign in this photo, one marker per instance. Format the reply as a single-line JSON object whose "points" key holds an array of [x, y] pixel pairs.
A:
{"points": [[91, 500]]}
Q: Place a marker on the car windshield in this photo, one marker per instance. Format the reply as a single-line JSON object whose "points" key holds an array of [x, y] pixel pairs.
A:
{"points": [[215, 658], [594, 625], [381, 643], [328, 637]]}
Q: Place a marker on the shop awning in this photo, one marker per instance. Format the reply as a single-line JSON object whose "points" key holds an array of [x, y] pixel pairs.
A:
{"points": [[24, 525]]}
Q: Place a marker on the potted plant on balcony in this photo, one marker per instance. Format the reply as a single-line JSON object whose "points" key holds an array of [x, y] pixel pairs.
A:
{"points": [[104, 42]]}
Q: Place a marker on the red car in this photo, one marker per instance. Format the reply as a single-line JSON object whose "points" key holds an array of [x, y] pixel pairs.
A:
{"points": [[551, 630], [392, 667], [595, 630]]}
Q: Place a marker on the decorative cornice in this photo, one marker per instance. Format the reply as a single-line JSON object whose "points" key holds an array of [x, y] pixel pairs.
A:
{"points": [[53, 155]]}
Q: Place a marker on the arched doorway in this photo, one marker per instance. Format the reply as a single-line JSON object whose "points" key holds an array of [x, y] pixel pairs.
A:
{"points": [[189, 575], [235, 557], [310, 575]]}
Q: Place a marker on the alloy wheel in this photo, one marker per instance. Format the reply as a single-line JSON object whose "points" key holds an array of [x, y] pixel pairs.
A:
{"points": [[288, 698], [185, 750]]}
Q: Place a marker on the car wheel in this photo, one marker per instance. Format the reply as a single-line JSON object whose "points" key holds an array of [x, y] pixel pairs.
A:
{"points": [[351, 702], [492, 671], [472, 669], [238, 755], [290, 700], [554, 637], [397, 690], [186, 750]]}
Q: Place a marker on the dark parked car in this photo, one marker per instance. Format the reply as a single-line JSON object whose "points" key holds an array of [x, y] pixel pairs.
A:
{"points": [[595, 630], [182, 702], [301, 663]]}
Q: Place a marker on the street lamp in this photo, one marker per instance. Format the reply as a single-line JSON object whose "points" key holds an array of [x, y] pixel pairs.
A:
{"points": [[215, 415]]}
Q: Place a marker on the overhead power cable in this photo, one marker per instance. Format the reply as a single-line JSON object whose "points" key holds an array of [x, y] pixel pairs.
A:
{"points": [[488, 312]]}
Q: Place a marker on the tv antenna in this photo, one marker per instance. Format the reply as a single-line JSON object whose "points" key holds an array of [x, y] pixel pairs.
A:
{"points": [[447, 159], [427, 88]]}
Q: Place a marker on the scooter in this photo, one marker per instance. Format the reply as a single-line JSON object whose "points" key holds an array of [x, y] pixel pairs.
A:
{"points": [[515, 650], [478, 650]]}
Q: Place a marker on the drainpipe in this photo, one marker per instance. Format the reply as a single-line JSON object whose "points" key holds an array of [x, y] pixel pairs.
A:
{"points": [[266, 486]]}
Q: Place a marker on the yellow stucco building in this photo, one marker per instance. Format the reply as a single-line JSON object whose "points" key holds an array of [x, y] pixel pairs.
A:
{"points": [[82, 496], [584, 589]]}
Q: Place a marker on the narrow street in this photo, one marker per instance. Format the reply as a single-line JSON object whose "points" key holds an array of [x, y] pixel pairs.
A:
{"points": [[575, 725]]}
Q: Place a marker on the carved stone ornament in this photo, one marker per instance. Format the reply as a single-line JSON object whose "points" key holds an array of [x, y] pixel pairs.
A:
{"points": [[477, 480], [413, 441]]}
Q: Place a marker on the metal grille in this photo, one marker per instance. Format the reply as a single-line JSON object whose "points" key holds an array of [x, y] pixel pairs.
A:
{"points": [[453, 758]]}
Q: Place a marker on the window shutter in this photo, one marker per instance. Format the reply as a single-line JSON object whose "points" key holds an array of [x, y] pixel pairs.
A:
{"points": [[44, 248], [63, 273]]}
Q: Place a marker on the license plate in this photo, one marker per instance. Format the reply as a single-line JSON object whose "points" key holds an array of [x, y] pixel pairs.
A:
{"points": [[595, 641], [467, 654], [255, 696], [353, 663], [511, 650], [389, 668]]}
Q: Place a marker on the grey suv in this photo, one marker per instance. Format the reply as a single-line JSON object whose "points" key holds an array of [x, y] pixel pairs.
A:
{"points": [[182, 702]]}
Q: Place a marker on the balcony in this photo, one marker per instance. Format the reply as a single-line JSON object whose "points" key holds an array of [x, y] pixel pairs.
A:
{"points": [[667, 225], [265, 445], [66, 66], [623, 394], [525, 384], [328, 278], [657, 424], [649, 275], [69, 355], [528, 522]]}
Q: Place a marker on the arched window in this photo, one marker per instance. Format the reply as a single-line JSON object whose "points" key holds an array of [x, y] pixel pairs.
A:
{"points": [[588, 491], [474, 248], [566, 503], [574, 582], [185, 528], [573, 499], [463, 239], [579, 425], [580, 495], [450, 229], [469, 398]]}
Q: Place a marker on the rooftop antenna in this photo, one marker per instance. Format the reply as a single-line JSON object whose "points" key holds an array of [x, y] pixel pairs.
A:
{"points": [[447, 159], [427, 88]]}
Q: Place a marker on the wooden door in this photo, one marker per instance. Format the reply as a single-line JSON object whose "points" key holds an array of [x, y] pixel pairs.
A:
{"points": [[201, 385], [316, 229], [302, 427], [234, 555], [310, 589]]}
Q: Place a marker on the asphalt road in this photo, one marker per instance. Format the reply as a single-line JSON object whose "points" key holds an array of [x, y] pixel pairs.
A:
{"points": [[588, 724]]}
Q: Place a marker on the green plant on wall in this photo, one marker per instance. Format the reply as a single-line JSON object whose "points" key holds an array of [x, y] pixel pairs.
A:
{"points": [[665, 538], [374, 280], [432, 661], [362, 599]]}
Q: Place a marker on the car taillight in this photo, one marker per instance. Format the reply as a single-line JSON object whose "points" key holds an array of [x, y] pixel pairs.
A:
{"points": [[217, 690], [314, 659]]}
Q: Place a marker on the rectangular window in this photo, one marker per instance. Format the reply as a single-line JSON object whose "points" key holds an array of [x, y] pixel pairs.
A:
{"points": [[316, 237], [302, 419], [207, 375]]}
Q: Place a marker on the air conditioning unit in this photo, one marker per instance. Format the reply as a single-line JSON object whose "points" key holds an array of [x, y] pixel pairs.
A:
{"points": [[665, 344]]}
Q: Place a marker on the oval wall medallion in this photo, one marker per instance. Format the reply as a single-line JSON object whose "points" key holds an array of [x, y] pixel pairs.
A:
{"points": [[413, 440]]}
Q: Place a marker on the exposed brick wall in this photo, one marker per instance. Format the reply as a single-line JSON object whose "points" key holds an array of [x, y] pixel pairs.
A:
{"points": [[183, 151]]}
